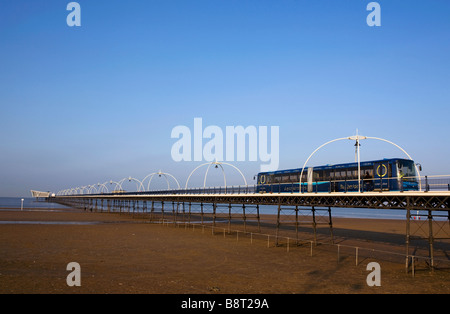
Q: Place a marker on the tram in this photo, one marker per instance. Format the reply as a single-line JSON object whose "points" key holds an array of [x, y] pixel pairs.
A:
{"points": [[395, 174]]}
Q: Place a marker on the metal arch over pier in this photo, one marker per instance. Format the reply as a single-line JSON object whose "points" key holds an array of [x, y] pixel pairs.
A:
{"points": [[159, 173], [177, 202]]}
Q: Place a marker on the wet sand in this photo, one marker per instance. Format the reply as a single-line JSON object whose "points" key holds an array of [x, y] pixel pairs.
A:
{"points": [[121, 254]]}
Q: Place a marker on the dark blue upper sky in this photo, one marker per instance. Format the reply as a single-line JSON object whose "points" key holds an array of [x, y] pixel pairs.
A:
{"points": [[81, 105]]}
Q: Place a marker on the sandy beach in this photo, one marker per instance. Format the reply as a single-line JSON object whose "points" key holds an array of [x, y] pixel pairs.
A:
{"points": [[119, 253]]}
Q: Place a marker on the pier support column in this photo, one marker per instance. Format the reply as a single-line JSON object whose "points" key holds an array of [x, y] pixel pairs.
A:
{"points": [[214, 214], [296, 224], [184, 211], [189, 216], [174, 217], [177, 210], [244, 217], [278, 223], [201, 211], [430, 238], [420, 234], [408, 232], [257, 217], [152, 211], [229, 218], [144, 207], [314, 224], [330, 221]]}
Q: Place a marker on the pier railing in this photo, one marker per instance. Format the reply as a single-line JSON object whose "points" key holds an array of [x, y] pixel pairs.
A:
{"points": [[436, 183], [237, 189], [423, 183]]}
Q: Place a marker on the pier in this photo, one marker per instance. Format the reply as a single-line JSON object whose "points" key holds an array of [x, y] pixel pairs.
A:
{"points": [[212, 205], [308, 196]]}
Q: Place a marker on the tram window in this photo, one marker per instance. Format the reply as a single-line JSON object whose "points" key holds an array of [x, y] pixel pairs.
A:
{"points": [[349, 174], [352, 174], [337, 175], [406, 169], [316, 176], [343, 175], [285, 178], [294, 177], [367, 173], [305, 176]]}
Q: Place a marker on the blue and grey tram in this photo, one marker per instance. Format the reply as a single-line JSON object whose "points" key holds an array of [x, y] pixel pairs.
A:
{"points": [[394, 174]]}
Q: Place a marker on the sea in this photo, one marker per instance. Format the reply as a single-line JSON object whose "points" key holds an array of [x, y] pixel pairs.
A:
{"points": [[15, 203], [368, 213], [8, 203]]}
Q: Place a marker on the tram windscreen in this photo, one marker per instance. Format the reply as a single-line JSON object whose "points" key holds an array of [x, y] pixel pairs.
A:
{"points": [[406, 169]]}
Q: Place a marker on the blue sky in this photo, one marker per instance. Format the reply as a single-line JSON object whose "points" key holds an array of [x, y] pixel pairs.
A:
{"points": [[88, 104]]}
